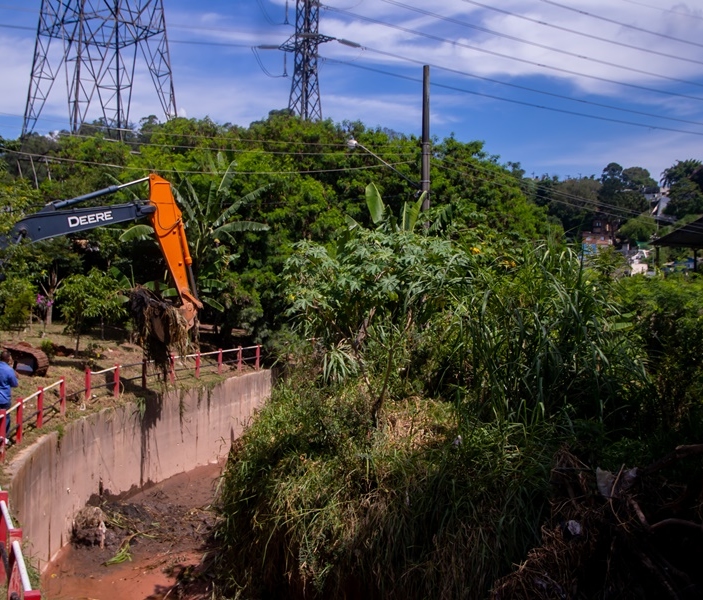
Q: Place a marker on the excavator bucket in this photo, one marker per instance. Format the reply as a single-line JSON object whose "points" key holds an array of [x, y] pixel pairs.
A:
{"points": [[160, 326]]}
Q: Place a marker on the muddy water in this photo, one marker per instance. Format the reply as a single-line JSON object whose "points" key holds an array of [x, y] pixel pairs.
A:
{"points": [[179, 520]]}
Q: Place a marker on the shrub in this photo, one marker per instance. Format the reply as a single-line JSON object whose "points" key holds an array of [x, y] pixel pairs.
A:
{"points": [[48, 348], [668, 314], [17, 298]]}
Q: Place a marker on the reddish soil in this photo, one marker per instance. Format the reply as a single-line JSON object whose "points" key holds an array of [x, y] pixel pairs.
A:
{"points": [[167, 527]]}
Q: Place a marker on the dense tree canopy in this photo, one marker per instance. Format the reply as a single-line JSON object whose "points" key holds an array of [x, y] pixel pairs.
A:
{"points": [[300, 180]]}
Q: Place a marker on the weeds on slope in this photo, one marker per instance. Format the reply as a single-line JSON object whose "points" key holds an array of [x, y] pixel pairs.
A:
{"points": [[316, 502]]}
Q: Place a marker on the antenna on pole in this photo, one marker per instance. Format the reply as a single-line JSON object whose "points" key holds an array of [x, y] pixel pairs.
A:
{"points": [[98, 52]]}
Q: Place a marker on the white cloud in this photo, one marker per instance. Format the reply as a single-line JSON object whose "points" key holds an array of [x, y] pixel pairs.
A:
{"points": [[655, 151], [226, 83]]}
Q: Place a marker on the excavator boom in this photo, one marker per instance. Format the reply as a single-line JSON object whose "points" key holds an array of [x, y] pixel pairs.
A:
{"points": [[55, 219], [167, 221]]}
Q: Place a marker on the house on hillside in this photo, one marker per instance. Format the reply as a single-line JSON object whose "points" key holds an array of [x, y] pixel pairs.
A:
{"points": [[658, 198], [601, 235], [689, 236]]}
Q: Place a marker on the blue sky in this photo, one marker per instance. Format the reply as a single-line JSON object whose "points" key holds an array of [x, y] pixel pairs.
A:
{"points": [[525, 76]]}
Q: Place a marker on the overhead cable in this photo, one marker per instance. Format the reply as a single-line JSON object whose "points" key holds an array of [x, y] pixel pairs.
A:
{"points": [[621, 24], [511, 100], [583, 33], [688, 15], [538, 45], [508, 56]]}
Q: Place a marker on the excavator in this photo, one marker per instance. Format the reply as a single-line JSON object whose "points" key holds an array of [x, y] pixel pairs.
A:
{"points": [[57, 219]]}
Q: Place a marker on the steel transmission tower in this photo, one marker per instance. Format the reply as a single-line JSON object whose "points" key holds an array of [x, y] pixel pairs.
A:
{"points": [[305, 88], [98, 51]]}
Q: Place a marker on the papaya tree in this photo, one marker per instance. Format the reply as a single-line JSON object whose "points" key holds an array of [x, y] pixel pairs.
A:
{"points": [[365, 305]]}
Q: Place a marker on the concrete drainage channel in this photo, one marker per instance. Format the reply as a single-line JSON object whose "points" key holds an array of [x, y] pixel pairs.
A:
{"points": [[120, 450]]}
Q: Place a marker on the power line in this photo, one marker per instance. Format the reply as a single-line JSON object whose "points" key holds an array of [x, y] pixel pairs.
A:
{"points": [[666, 10], [170, 41], [472, 2], [263, 68], [513, 85], [61, 159], [621, 24], [509, 57], [24, 27], [518, 102], [538, 45], [485, 174], [463, 73], [546, 93], [481, 94], [602, 105], [487, 179], [535, 90], [511, 100], [266, 15], [582, 33], [562, 197], [478, 167], [341, 145], [387, 146]]}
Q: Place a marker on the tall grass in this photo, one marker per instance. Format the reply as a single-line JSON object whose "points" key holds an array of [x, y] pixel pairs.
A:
{"points": [[544, 339], [317, 503]]}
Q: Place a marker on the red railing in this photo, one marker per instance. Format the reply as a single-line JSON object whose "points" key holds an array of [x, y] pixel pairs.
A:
{"points": [[217, 360], [13, 565], [14, 570]]}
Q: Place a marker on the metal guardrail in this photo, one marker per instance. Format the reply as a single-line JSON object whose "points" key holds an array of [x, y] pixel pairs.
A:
{"points": [[13, 569]]}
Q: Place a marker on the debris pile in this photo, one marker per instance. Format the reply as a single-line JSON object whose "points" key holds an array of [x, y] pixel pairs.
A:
{"points": [[633, 534], [160, 327], [89, 528]]}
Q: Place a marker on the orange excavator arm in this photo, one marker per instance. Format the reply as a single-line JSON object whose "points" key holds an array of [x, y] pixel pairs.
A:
{"points": [[167, 221], [57, 219]]}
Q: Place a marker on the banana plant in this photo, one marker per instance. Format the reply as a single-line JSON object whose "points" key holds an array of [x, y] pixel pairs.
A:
{"points": [[382, 216], [210, 222]]}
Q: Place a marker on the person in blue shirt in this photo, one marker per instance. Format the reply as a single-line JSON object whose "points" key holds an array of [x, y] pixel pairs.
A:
{"points": [[8, 380]]}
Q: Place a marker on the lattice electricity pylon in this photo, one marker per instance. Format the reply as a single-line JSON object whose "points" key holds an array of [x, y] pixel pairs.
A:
{"points": [[305, 88], [99, 55]]}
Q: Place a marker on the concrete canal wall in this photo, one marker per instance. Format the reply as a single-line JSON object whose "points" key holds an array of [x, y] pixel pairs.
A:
{"points": [[119, 450]]}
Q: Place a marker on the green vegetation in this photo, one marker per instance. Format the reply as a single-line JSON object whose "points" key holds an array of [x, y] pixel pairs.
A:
{"points": [[434, 364], [86, 298], [318, 499], [494, 366]]}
